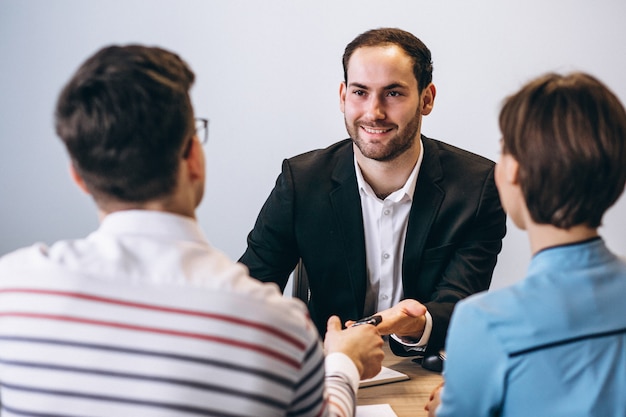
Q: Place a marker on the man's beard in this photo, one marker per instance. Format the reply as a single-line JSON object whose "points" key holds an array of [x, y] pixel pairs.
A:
{"points": [[395, 147]]}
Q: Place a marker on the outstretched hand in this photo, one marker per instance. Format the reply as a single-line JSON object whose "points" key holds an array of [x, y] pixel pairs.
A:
{"points": [[362, 344], [405, 319]]}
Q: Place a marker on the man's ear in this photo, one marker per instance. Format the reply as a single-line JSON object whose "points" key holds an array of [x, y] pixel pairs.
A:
{"points": [[342, 96], [78, 180], [428, 99], [195, 160]]}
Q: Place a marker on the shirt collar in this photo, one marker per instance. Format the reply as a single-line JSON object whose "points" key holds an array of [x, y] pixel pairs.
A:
{"points": [[406, 191], [153, 223]]}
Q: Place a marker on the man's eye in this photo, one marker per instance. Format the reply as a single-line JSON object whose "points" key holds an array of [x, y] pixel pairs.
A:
{"points": [[394, 94], [359, 92]]}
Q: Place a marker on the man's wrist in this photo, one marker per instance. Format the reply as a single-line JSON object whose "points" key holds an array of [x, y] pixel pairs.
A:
{"points": [[417, 343]]}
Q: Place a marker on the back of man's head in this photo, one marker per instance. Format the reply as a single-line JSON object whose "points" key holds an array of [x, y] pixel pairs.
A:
{"points": [[125, 118], [568, 134]]}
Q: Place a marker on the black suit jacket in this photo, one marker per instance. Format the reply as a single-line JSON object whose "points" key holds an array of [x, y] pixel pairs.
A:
{"points": [[455, 230]]}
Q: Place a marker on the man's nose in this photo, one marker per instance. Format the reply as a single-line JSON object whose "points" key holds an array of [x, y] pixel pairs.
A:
{"points": [[375, 108]]}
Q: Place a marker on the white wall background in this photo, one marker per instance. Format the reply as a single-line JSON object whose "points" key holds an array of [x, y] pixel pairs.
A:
{"points": [[268, 73]]}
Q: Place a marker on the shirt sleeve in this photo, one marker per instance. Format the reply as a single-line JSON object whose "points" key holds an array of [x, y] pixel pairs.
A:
{"points": [[419, 345], [339, 363], [327, 387]]}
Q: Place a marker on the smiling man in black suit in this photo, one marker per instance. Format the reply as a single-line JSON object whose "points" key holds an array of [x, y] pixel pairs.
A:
{"points": [[389, 221]]}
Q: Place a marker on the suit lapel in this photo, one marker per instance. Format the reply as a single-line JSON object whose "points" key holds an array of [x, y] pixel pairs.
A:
{"points": [[427, 199], [346, 206]]}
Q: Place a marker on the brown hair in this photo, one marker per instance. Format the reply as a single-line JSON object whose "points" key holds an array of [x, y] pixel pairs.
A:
{"points": [[414, 48], [568, 133], [124, 117]]}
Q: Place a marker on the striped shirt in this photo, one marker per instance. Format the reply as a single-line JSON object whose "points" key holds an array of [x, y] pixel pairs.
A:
{"points": [[145, 318]]}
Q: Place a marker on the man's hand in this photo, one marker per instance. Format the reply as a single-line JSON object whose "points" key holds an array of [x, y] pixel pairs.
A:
{"points": [[434, 401], [362, 344], [405, 319]]}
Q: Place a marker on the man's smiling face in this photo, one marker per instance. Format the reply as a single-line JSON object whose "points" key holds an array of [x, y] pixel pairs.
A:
{"points": [[381, 103]]}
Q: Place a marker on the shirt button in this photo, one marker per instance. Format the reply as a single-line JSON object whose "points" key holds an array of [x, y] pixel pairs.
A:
{"points": [[384, 297], [386, 212], [386, 256]]}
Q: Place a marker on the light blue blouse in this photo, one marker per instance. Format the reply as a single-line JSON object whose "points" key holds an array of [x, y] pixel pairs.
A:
{"points": [[553, 344]]}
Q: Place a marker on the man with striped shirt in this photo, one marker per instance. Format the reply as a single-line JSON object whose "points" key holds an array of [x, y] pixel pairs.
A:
{"points": [[144, 317]]}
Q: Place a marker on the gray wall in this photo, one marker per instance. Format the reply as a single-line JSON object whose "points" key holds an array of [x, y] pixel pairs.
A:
{"points": [[268, 75]]}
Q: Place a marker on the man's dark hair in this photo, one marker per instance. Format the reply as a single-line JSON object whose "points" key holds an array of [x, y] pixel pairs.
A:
{"points": [[414, 48], [568, 134], [125, 117]]}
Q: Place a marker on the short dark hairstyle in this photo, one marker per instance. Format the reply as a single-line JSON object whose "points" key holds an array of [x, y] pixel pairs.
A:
{"points": [[124, 118], [414, 48], [568, 133]]}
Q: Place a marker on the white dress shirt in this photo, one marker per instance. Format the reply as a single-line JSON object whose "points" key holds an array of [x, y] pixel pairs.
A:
{"points": [[385, 225]]}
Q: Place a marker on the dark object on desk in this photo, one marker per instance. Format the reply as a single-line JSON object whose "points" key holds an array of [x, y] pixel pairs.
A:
{"points": [[433, 362]]}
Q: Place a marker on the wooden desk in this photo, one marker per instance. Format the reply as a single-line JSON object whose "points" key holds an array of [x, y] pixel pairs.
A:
{"points": [[407, 398]]}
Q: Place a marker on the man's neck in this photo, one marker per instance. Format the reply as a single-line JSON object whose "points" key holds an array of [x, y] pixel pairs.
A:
{"points": [[385, 177], [163, 206]]}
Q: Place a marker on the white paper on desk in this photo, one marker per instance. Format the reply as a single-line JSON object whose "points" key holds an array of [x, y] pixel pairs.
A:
{"points": [[376, 410], [385, 376]]}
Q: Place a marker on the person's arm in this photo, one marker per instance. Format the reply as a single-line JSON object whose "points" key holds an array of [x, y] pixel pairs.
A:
{"points": [[468, 270], [330, 390], [272, 252], [471, 267]]}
